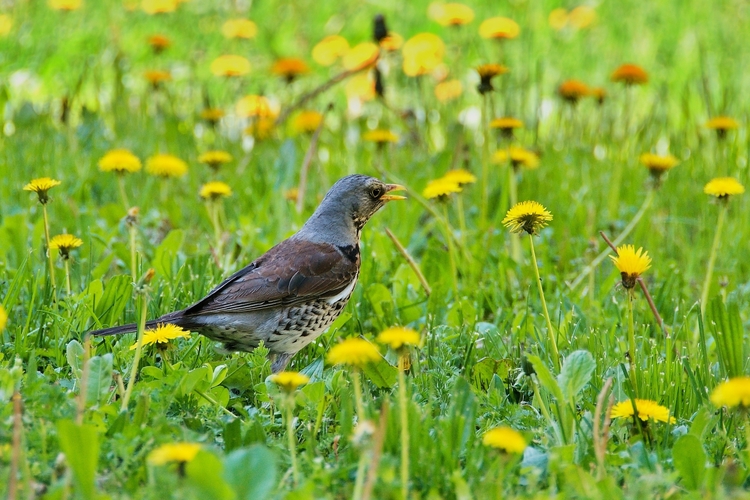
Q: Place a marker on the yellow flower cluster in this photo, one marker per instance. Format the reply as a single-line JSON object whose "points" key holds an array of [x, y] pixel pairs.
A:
{"points": [[528, 216], [398, 336], [354, 352], [162, 334], [505, 439], [646, 410]]}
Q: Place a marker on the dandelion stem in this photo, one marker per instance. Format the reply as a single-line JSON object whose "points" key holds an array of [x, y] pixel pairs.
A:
{"points": [[515, 241], [625, 232], [142, 302], [358, 396], [550, 331], [631, 343], [712, 257], [67, 275], [123, 194], [403, 409], [133, 255], [451, 249], [360, 481], [49, 250], [292, 437]]}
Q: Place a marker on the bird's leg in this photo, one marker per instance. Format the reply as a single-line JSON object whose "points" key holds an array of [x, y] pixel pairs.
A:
{"points": [[279, 361]]}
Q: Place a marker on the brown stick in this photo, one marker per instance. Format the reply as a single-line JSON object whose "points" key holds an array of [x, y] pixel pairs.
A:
{"points": [[377, 452], [611, 245], [652, 306], [410, 260]]}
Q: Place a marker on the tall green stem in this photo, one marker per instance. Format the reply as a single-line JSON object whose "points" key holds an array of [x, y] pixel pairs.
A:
{"points": [[67, 275], [631, 343], [142, 302], [402, 402], [49, 250], [133, 255], [712, 257], [123, 194], [291, 436], [550, 331], [358, 397]]}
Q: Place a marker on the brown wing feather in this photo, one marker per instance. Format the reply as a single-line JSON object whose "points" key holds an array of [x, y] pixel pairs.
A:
{"points": [[291, 272]]}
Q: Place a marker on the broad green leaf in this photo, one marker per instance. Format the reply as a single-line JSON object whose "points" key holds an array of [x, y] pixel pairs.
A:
{"points": [[576, 373], [99, 378], [80, 443], [74, 355], [219, 374], [251, 472], [545, 377], [204, 474], [232, 435], [381, 373], [689, 459]]}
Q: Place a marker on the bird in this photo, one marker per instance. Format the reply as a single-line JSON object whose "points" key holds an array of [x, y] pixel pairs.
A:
{"points": [[291, 294]]}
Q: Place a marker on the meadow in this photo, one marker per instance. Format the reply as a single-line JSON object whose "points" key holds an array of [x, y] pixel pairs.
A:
{"points": [[504, 340]]}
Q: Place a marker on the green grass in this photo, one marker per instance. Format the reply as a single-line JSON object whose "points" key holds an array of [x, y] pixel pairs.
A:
{"points": [[485, 359]]}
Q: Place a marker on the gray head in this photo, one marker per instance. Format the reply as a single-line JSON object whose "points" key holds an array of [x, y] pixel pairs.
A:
{"points": [[346, 208]]}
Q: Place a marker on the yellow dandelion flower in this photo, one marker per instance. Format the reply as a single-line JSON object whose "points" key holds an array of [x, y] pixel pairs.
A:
{"points": [[215, 159], [157, 77], [361, 56], [153, 7], [724, 187], [354, 352], [6, 24], [631, 263], [173, 452], [486, 73], [230, 65], [647, 410], [290, 68], [254, 105], [166, 166], [630, 74], [506, 123], [239, 28], [214, 190], [731, 393], [658, 164], [328, 50], [448, 90], [558, 19], [65, 5], [379, 136], [162, 334], [504, 439], [499, 28], [398, 336], [519, 157], [64, 243], [306, 122], [573, 90], [212, 115], [261, 129], [441, 188], [159, 43], [120, 161], [599, 94], [291, 194], [289, 381], [361, 87], [722, 124], [460, 176], [528, 216], [392, 42], [422, 54], [3, 318], [452, 14], [582, 17], [40, 187]]}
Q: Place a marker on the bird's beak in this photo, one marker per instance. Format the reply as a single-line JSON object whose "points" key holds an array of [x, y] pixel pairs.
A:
{"points": [[391, 197]]}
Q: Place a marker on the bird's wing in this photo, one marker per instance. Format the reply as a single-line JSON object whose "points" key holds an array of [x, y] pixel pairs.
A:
{"points": [[292, 272]]}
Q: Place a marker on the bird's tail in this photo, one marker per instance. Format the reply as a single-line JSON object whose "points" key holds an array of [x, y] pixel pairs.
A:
{"points": [[132, 327]]}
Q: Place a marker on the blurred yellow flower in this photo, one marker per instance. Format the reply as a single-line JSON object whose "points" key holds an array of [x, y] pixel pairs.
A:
{"points": [[392, 42], [499, 28], [422, 54], [254, 105], [159, 6], [328, 50], [157, 77], [731, 393], [214, 190], [599, 94], [40, 187], [504, 439], [441, 188], [174, 452], [289, 68], [64, 243], [361, 87], [353, 351], [162, 334], [398, 336], [451, 14], [65, 5], [120, 161], [486, 73], [230, 65], [573, 90], [379, 136], [361, 56], [460, 176], [724, 187], [631, 263], [519, 157], [239, 28], [722, 124], [159, 43], [166, 166], [291, 194], [212, 115], [262, 128], [630, 74], [6, 24], [528, 216], [3, 318], [306, 122], [558, 19], [647, 410], [658, 164], [448, 90], [506, 125], [215, 159], [289, 381], [582, 17]]}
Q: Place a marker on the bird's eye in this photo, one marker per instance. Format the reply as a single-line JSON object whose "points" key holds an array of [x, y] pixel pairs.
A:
{"points": [[376, 192]]}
